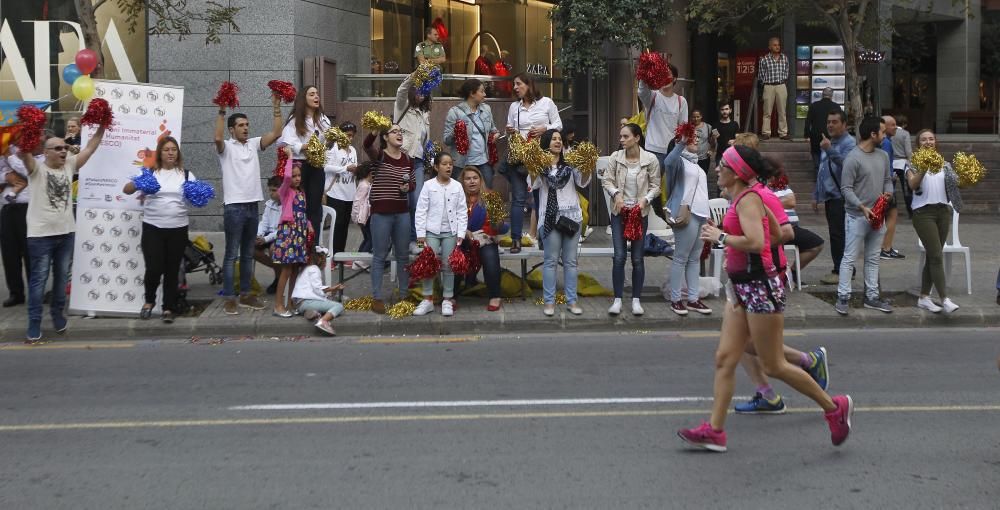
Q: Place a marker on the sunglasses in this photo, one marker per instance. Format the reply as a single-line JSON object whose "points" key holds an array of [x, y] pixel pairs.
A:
{"points": [[58, 148]]}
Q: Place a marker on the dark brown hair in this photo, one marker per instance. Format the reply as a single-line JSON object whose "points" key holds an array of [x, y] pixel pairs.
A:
{"points": [[533, 94], [299, 111]]}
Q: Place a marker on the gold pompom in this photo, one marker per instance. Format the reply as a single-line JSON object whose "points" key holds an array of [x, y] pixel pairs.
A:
{"points": [[927, 160], [361, 304], [528, 153], [584, 158], [375, 121], [338, 137], [315, 152], [496, 206], [970, 171], [401, 309], [560, 299]]}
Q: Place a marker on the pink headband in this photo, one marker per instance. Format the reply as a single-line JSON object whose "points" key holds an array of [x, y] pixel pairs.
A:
{"points": [[735, 161]]}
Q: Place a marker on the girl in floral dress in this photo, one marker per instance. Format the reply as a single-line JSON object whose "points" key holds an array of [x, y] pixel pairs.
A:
{"points": [[290, 246]]}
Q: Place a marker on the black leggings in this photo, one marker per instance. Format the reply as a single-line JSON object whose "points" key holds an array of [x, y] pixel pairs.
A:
{"points": [[342, 223], [162, 250], [313, 183]]}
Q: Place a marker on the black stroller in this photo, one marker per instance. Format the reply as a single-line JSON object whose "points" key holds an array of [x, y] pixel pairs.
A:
{"points": [[198, 256]]}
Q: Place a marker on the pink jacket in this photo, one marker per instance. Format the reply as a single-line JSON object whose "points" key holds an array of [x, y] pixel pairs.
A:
{"points": [[287, 194]]}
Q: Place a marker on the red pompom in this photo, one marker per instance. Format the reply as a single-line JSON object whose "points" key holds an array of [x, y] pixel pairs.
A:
{"points": [[279, 169], [706, 250], [878, 211], [283, 89], [653, 70], [685, 132], [98, 114], [310, 240], [32, 120], [461, 137], [226, 98], [778, 182], [459, 262], [426, 265], [475, 263], [632, 219], [491, 148]]}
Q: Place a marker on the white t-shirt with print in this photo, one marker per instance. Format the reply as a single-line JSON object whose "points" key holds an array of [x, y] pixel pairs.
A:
{"points": [[50, 209]]}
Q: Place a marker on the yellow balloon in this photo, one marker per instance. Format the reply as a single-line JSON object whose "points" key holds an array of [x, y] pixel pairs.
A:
{"points": [[83, 87]]}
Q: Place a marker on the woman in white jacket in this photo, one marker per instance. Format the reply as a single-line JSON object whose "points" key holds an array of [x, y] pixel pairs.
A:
{"points": [[341, 164], [441, 218], [412, 112]]}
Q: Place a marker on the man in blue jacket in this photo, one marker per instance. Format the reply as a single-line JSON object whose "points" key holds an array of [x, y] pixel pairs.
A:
{"points": [[828, 180]]}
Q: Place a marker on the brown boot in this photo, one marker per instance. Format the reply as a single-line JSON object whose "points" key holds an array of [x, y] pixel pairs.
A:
{"points": [[515, 246], [378, 306]]}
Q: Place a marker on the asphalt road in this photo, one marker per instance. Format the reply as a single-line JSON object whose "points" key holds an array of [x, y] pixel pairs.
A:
{"points": [[488, 423]]}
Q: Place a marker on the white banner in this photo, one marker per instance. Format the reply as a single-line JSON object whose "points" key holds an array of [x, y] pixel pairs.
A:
{"points": [[108, 266]]}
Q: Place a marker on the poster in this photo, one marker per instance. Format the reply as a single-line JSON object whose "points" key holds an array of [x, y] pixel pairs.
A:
{"points": [[834, 82], [835, 52], [828, 67], [107, 257]]}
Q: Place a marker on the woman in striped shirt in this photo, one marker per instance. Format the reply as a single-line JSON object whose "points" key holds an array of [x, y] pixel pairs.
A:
{"points": [[392, 181]]}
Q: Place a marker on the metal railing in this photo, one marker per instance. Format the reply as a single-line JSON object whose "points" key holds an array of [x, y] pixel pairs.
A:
{"points": [[382, 87]]}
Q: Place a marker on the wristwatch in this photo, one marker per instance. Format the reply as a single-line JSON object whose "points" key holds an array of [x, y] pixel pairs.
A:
{"points": [[722, 239]]}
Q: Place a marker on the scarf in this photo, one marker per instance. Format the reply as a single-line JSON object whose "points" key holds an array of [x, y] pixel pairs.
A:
{"points": [[555, 182]]}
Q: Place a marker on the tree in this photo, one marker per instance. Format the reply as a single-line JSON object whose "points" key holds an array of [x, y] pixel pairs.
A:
{"points": [[848, 19], [586, 25], [170, 17]]}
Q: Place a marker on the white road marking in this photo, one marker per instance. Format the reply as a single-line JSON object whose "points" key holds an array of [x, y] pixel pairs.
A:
{"points": [[473, 403]]}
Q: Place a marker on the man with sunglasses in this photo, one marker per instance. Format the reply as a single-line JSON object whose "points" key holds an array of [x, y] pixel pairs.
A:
{"points": [[51, 226]]}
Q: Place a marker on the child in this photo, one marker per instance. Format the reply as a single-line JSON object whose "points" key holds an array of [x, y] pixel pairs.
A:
{"points": [[267, 230], [441, 218], [290, 250], [361, 209], [310, 295]]}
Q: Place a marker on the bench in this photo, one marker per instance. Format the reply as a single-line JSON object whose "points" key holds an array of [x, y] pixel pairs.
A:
{"points": [[339, 260]]}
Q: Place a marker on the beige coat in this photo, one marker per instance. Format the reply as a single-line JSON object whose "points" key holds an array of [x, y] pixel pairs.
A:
{"points": [[648, 179]]}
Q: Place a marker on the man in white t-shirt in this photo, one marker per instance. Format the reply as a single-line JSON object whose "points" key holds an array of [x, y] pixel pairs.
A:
{"points": [[239, 158], [51, 226]]}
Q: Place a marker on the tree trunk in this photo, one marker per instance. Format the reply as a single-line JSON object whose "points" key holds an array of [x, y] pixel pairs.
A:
{"points": [[854, 103], [92, 39]]}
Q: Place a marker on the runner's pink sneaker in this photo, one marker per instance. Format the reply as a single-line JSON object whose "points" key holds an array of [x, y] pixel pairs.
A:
{"points": [[704, 436], [840, 419]]}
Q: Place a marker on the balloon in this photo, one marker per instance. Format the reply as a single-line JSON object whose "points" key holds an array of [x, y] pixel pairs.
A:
{"points": [[83, 87], [86, 61], [71, 73]]}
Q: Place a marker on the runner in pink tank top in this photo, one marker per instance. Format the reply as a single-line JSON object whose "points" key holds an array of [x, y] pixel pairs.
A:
{"points": [[756, 300]]}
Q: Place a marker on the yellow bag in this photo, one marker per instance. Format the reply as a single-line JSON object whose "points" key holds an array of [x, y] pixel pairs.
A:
{"points": [[504, 242], [585, 207], [586, 285], [255, 287], [510, 286]]}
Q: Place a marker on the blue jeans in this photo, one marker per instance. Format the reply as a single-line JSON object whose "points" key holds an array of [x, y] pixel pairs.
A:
{"points": [[486, 169], [45, 252], [366, 238], [618, 265], [518, 197], [657, 203], [687, 255], [859, 234], [556, 244], [442, 244], [418, 176], [390, 230], [240, 224]]}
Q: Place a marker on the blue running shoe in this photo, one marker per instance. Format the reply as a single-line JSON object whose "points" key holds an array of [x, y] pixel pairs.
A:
{"points": [[820, 368], [760, 405]]}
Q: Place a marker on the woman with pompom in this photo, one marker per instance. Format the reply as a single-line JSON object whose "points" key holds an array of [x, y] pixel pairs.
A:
{"points": [[305, 121], [481, 233], [164, 224], [632, 180], [412, 111], [935, 196], [470, 145]]}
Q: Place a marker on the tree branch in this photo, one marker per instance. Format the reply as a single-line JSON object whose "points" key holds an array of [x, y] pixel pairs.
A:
{"points": [[99, 4]]}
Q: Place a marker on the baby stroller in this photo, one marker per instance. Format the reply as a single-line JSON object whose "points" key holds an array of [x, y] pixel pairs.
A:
{"points": [[198, 256]]}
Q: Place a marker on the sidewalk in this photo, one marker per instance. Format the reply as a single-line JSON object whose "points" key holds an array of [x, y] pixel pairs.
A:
{"points": [[809, 308]]}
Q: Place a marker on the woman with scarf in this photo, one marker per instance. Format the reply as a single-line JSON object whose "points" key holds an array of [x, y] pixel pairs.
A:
{"points": [[687, 211], [631, 180], [482, 231], [562, 216], [755, 303]]}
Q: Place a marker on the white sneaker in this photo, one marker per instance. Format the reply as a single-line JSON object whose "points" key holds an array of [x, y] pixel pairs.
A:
{"points": [[425, 307], [414, 250], [636, 307], [324, 326], [447, 308], [948, 305], [358, 265], [927, 304], [586, 232], [616, 307]]}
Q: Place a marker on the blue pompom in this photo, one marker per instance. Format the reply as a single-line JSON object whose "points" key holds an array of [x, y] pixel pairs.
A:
{"points": [[429, 151], [198, 193], [432, 82], [146, 182]]}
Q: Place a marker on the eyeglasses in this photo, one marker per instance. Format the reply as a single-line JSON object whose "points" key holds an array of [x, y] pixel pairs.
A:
{"points": [[58, 148], [397, 131]]}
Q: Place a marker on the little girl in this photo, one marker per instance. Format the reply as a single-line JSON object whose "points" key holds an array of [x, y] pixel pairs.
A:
{"points": [[310, 295], [290, 248], [440, 219], [361, 209]]}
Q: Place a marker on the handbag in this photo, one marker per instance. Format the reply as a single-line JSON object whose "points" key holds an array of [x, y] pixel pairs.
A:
{"points": [[566, 226]]}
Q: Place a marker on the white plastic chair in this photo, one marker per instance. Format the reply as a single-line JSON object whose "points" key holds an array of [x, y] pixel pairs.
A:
{"points": [[952, 245], [717, 208], [332, 214], [794, 250]]}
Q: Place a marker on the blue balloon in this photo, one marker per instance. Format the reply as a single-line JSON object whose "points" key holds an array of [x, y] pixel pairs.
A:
{"points": [[71, 73]]}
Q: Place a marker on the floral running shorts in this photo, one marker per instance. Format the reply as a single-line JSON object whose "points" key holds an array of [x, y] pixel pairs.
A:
{"points": [[758, 296]]}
